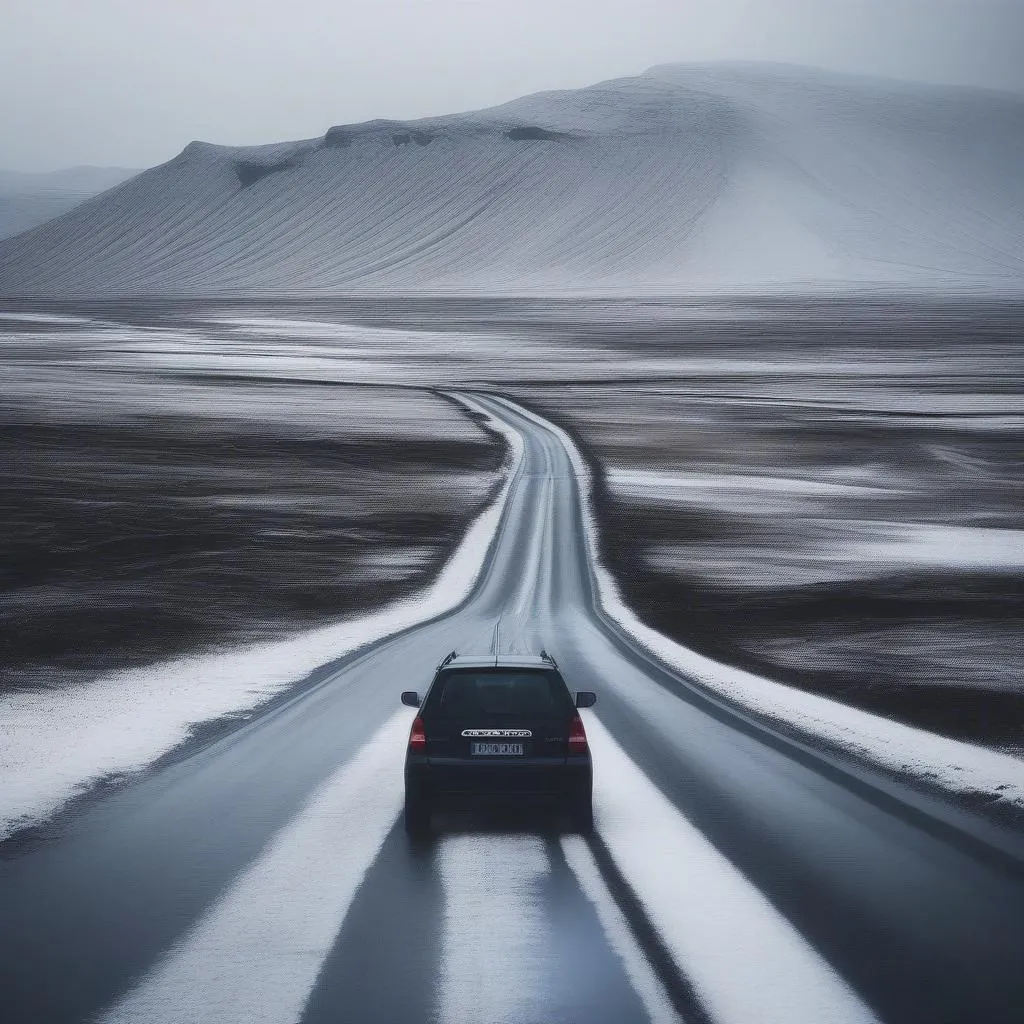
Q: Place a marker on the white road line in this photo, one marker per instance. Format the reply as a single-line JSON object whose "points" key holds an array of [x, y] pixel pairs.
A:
{"points": [[496, 941], [641, 976], [254, 957], [747, 963]]}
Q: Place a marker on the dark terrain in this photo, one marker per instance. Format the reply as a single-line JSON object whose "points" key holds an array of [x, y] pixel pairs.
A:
{"points": [[827, 492], [129, 536], [837, 506]]}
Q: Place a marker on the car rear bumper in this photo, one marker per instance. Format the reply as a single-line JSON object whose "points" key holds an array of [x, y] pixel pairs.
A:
{"points": [[453, 779]]}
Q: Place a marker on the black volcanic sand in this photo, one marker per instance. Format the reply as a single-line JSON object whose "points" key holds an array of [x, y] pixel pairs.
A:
{"points": [[129, 538], [826, 443], [749, 569]]}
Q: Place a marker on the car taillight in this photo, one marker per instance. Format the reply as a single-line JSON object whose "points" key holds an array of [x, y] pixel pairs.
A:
{"points": [[577, 736], [418, 736]]}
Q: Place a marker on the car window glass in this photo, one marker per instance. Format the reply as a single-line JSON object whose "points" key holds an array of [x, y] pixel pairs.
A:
{"points": [[498, 692]]}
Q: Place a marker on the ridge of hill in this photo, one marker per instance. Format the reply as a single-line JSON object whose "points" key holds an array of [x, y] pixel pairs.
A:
{"points": [[686, 179]]}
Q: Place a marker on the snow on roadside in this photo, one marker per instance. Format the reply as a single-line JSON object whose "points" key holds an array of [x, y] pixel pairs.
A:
{"points": [[745, 960], [55, 744], [951, 765], [255, 955]]}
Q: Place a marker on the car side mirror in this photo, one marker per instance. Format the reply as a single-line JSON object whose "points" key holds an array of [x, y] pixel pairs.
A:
{"points": [[411, 699], [586, 699]]}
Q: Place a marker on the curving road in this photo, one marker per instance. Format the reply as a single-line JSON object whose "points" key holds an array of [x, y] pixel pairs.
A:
{"points": [[263, 875]]}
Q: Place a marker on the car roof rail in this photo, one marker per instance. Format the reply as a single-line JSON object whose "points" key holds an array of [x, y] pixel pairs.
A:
{"points": [[547, 657], [447, 658]]}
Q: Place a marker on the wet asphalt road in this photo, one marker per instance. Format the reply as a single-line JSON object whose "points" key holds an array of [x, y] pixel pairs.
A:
{"points": [[901, 914]]}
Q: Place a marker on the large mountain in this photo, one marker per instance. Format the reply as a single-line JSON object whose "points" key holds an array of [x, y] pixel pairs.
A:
{"points": [[685, 179], [28, 199]]}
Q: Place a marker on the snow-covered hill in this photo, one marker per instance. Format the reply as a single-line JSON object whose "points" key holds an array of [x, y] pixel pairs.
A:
{"points": [[28, 199], [688, 178]]}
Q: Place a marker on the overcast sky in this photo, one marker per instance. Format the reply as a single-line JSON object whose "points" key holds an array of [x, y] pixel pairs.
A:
{"points": [[130, 82]]}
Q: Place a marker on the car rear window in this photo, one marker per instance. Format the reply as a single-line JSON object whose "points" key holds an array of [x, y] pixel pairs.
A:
{"points": [[499, 692]]}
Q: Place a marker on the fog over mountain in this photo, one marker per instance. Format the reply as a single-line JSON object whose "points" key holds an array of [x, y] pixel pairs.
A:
{"points": [[685, 179], [28, 199]]}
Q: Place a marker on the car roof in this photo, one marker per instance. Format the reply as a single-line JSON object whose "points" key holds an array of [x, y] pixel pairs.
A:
{"points": [[498, 661]]}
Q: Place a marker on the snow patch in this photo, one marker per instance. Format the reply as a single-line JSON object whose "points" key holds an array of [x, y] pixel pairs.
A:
{"points": [[495, 934], [745, 960], [617, 930]]}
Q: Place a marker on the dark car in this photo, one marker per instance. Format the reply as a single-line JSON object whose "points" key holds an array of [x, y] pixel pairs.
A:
{"points": [[498, 726]]}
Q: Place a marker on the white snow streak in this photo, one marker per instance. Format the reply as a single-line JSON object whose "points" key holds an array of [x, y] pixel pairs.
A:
{"points": [[55, 743], [745, 960], [496, 937], [645, 982], [956, 767], [255, 956]]}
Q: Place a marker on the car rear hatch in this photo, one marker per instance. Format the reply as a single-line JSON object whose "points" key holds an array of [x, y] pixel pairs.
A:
{"points": [[498, 728]]}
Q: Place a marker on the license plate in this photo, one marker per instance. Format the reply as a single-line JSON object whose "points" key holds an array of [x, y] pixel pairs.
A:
{"points": [[496, 749]]}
